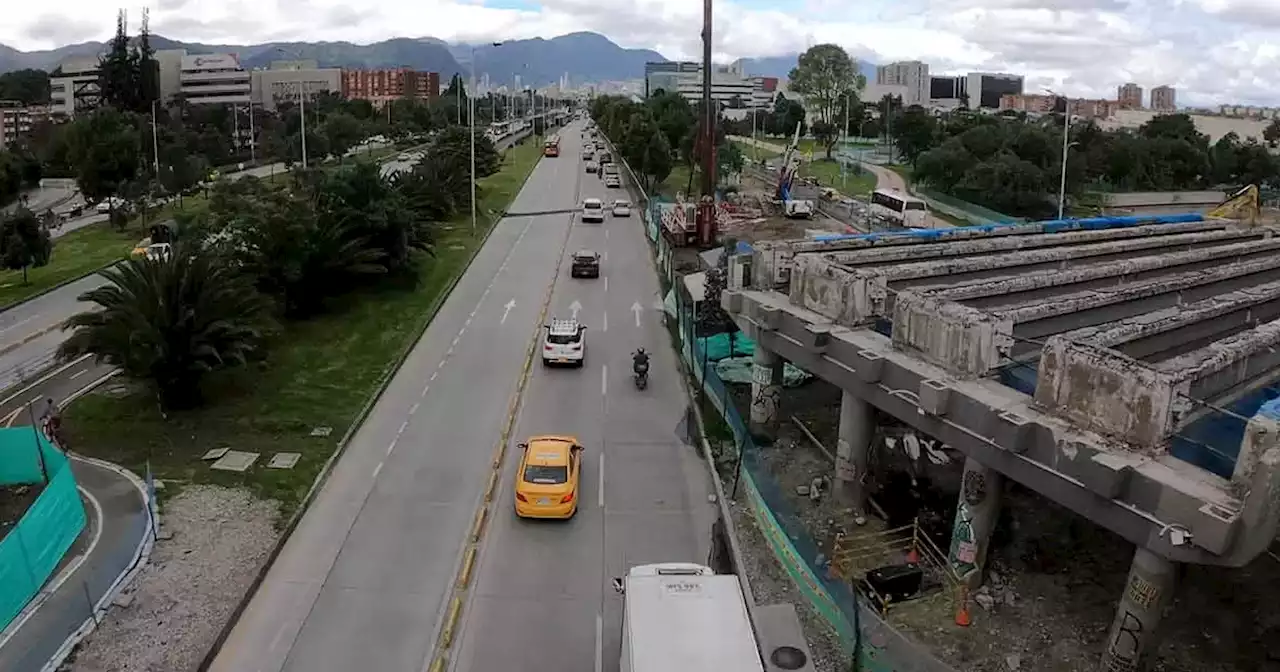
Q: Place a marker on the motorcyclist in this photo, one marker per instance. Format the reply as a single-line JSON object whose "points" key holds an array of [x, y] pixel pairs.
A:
{"points": [[640, 362]]}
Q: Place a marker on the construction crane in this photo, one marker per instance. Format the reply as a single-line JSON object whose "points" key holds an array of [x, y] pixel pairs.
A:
{"points": [[1244, 205], [786, 178]]}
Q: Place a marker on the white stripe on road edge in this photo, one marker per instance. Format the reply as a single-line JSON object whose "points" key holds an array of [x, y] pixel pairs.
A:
{"points": [[377, 470], [43, 379], [599, 643], [604, 380]]}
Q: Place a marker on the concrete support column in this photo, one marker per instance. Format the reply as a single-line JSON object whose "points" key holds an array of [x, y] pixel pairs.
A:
{"points": [[975, 520], [853, 448], [1147, 591], [766, 392]]}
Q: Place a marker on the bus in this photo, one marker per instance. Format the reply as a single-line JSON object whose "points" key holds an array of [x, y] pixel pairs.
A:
{"points": [[552, 146], [908, 211]]}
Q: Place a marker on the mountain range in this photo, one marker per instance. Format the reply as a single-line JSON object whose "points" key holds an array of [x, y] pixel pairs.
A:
{"points": [[586, 57]]}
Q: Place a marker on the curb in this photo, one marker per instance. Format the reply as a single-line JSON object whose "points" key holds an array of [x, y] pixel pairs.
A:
{"points": [[449, 627], [383, 383]]}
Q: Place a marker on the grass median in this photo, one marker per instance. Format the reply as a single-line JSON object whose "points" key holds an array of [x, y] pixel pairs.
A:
{"points": [[319, 374]]}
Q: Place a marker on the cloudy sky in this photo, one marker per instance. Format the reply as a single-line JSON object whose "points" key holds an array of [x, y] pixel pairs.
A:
{"points": [[1214, 51]]}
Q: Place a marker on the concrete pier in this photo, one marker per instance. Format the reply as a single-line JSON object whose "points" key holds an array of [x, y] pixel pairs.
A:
{"points": [[975, 520], [1151, 583], [766, 393], [853, 448]]}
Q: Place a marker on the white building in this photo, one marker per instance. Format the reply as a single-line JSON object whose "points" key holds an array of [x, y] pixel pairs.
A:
{"points": [[76, 86], [214, 79], [727, 88], [913, 76], [285, 81]]}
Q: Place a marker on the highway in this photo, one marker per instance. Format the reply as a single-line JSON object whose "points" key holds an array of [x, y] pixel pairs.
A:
{"points": [[30, 333], [364, 581], [541, 598]]}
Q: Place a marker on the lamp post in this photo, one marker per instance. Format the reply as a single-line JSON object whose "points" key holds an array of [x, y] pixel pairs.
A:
{"points": [[302, 107], [1066, 145], [471, 122]]}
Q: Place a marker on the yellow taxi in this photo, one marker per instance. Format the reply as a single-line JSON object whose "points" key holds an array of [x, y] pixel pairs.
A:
{"points": [[547, 481]]}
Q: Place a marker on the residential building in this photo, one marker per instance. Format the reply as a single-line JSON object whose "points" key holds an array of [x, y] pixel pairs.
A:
{"points": [[912, 75], [1038, 103], [214, 79], [1164, 99], [17, 120], [74, 86], [663, 75], [288, 81], [381, 86], [985, 88], [1249, 111], [1129, 96]]}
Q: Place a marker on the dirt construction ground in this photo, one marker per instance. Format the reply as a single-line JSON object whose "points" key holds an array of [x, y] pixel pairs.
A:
{"points": [[1054, 577]]}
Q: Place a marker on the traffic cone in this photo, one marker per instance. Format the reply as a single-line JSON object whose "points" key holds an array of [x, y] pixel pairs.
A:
{"points": [[913, 556], [962, 610]]}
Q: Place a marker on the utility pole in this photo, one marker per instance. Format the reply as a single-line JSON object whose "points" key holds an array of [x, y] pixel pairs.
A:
{"points": [[706, 215]]}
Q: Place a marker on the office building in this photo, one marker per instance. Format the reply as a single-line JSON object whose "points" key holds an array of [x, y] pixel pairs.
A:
{"points": [[288, 81], [912, 75], [214, 79], [1129, 96], [663, 75], [986, 88], [1164, 99], [74, 86], [381, 86], [17, 120]]}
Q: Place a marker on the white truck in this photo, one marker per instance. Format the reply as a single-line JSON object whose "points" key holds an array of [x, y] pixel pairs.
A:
{"points": [[683, 617]]}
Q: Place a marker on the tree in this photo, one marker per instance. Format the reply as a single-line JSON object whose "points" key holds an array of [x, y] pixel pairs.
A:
{"points": [[1272, 132], [454, 143], [376, 211], [105, 152], [27, 86], [342, 131], [24, 241], [826, 134], [824, 75], [171, 322], [913, 132]]}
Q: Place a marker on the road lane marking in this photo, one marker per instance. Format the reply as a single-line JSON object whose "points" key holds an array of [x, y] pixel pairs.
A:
{"points": [[79, 373], [377, 470], [434, 374], [606, 284], [403, 426], [604, 326], [44, 379], [604, 380], [600, 486], [392, 446], [17, 324], [425, 390], [414, 408], [599, 643]]}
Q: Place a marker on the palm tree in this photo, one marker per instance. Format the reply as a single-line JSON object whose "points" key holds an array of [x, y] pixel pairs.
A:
{"points": [[171, 321]]}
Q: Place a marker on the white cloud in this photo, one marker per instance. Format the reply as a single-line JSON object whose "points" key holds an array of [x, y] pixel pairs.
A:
{"points": [[1214, 51]]}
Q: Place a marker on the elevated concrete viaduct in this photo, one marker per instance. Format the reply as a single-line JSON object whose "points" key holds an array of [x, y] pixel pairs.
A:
{"points": [[1067, 360]]}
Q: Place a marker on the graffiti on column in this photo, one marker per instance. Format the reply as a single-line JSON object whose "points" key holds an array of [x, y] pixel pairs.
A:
{"points": [[1125, 646], [765, 405], [964, 542]]}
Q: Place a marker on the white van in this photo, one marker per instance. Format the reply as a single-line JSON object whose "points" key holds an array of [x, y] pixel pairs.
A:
{"points": [[593, 210], [683, 617]]}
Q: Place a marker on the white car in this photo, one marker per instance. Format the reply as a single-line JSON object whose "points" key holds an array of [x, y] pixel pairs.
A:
{"points": [[621, 208], [564, 342], [612, 181], [108, 203], [593, 210]]}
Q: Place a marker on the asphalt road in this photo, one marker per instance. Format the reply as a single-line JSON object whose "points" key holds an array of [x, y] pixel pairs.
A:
{"points": [[542, 598], [30, 332], [363, 580]]}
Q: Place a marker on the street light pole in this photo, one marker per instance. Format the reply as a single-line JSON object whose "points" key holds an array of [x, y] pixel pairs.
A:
{"points": [[471, 122], [302, 112], [155, 143], [1066, 139]]}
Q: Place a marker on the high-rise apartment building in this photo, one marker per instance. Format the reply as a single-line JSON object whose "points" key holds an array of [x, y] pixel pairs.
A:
{"points": [[1164, 98], [913, 75], [1129, 96], [17, 120]]}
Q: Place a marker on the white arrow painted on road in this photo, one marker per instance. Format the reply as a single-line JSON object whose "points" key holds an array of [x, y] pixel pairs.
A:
{"points": [[636, 308], [576, 308], [507, 311]]}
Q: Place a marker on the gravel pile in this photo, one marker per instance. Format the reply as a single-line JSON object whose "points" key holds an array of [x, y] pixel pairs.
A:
{"points": [[182, 599]]}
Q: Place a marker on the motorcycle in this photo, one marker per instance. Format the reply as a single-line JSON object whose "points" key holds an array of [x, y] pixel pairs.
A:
{"points": [[641, 375]]}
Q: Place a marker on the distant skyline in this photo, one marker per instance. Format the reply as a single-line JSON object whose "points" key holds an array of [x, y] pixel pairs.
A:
{"points": [[1213, 51]]}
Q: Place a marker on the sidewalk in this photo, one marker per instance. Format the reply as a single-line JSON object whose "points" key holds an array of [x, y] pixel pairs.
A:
{"points": [[116, 541]]}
